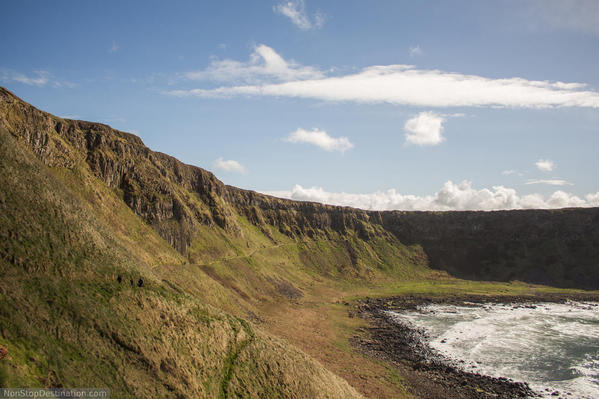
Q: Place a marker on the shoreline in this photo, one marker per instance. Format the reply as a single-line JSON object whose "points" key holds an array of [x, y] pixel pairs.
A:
{"points": [[427, 374]]}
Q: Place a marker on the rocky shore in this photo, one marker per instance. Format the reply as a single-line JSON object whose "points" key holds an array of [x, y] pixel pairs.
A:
{"points": [[426, 373]]}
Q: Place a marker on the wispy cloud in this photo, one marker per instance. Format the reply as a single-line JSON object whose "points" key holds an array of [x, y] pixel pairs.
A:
{"points": [[415, 51], [228, 166], [393, 84], [545, 165], [551, 182], [264, 64], [425, 129], [452, 196], [321, 139], [295, 10], [113, 48], [38, 78]]}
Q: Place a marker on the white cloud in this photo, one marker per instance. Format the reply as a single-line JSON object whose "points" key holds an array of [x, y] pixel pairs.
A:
{"points": [[545, 165], [415, 50], [593, 199], [264, 64], [551, 182], [561, 199], [40, 78], [426, 128], [511, 172], [321, 139], [113, 48], [451, 196], [295, 10], [228, 166], [393, 84]]}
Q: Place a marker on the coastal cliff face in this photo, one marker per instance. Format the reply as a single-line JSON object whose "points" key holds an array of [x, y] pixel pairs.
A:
{"points": [[124, 267], [554, 247], [558, 247], [92, 295], [171, 196]]}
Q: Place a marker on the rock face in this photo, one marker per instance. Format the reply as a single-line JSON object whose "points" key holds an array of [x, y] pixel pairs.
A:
{"points": [[554, 247], [559, 247]]}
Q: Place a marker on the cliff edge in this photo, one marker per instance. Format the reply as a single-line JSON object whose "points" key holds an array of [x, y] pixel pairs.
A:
{"points": [[554, 247]]}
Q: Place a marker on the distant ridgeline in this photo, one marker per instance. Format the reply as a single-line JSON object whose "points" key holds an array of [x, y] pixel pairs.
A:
{"points": [[554, 247]]}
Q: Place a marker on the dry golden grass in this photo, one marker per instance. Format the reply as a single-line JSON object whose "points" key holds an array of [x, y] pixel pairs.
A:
{"points": [[241, 310]]}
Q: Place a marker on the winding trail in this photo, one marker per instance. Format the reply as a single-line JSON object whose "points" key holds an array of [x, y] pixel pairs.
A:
{"points": [[226, 259]]}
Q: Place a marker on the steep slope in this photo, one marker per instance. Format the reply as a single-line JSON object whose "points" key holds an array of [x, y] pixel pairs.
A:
{"points": [[83, 204], [80, 305], [183, 203], [203, 219]]}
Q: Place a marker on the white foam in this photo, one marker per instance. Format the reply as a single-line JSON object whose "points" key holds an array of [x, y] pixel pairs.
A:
{"points": [[552, 346]]}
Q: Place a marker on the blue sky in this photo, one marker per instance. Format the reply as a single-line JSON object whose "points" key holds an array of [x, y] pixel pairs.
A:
{"points": [[378, 104]]}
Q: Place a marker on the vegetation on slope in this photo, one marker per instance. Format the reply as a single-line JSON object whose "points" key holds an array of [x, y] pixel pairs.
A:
{"points": [[83, 204], [68, 321]]}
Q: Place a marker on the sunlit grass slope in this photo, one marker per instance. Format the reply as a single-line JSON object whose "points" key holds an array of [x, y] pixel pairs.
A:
{"points": [[67, 321], [124, 268]]}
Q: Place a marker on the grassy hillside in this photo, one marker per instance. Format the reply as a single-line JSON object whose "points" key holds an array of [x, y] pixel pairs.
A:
{"points": [[243, 295], [67, 320]]}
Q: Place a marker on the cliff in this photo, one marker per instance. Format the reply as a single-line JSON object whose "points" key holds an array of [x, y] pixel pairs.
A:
{"points": [[551, 247], [123, 267], [92, 296], [162, 190], [555, 247]]}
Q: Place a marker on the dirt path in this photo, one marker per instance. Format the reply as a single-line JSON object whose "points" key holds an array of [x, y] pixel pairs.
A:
{"points": [[228, 258]]}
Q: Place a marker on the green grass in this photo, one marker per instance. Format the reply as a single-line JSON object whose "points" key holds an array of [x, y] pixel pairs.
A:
{"points": [[224, 317], [66, 320]]}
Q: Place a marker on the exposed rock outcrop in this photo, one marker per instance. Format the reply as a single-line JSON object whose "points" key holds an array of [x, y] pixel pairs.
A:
{"points": [[558, 247]]}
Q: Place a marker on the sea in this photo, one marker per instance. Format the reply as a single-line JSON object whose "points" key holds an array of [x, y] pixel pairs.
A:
{"points": [[554, 347]]}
